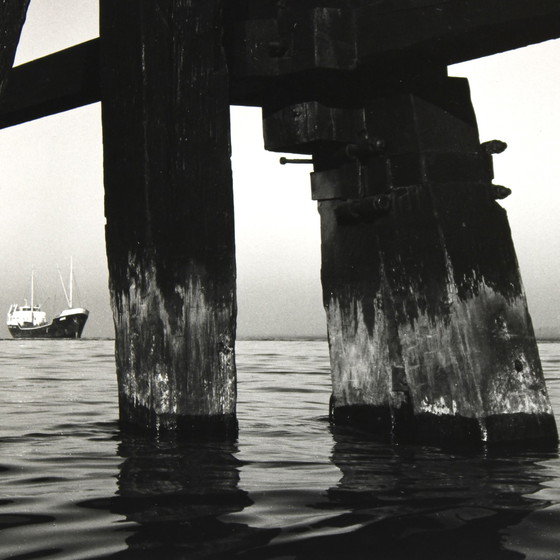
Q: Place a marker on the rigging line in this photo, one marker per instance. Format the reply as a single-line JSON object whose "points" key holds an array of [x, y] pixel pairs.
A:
{"points": [[63, 286], [78, 291]]}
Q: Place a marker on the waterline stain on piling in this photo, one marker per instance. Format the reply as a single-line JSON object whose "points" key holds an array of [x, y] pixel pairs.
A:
{"points": [[458, 334], [172, 367], [458, 366]]}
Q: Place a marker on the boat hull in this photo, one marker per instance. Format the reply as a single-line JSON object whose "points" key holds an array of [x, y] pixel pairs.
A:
{"points": [[68, 325]]}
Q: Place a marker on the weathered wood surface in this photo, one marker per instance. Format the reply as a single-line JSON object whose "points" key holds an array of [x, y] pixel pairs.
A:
{"points": [[454, 31], [429, 332], [12, 18], [292, 51], [169, 210]]}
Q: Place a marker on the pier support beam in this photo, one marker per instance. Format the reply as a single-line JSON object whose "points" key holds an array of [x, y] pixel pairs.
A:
{"points": [[429, 333], [169, 210]]}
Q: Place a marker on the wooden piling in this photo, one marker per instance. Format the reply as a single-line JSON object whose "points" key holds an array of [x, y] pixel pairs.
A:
{"points": [[169, 211], [429, 333]]}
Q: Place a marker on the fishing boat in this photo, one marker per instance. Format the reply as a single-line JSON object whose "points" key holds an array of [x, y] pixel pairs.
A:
{"points": [[30, 321]]}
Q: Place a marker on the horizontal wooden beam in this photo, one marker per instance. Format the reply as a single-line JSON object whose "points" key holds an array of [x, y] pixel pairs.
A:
{"points": [[457, 30], [330, 51], [322, 50], [52, 84]]}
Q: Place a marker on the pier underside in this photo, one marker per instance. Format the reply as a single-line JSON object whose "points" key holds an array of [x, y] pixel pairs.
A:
{"points": [[429, 334]]}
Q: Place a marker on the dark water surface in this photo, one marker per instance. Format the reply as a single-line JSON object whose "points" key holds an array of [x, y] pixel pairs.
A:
{"points": [[73, 487]]}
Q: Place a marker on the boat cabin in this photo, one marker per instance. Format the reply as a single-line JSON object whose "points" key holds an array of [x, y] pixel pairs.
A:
{"points": [[25, 315]]}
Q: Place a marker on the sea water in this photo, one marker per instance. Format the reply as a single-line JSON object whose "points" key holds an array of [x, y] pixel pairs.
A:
{"points": [[72, 486]]}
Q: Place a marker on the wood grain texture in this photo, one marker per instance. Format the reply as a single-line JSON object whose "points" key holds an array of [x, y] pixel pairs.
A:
{"points": [[169, 210], [339, 52], [429, 333]]}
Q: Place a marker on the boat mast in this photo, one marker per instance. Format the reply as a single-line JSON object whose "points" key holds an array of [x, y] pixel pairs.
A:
{"points": [[71, 284], [68, 298], [32, 294]]}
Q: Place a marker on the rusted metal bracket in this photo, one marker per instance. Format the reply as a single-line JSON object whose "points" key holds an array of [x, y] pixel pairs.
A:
{"points": [[490, 148], [366, 151], [339, 183]]}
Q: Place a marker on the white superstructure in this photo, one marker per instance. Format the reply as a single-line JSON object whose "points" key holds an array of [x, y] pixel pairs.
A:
{"points": [[25, 315]]}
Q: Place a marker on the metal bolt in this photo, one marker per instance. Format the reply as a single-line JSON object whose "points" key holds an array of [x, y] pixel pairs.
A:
{"points": [[284, 161], [494, 147], [499, 192]]}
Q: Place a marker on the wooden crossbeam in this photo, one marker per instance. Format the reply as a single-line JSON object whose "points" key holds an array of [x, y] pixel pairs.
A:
{"points": [[269, 60], [455, 31]]}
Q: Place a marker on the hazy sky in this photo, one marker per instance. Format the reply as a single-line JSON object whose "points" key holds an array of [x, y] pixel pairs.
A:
{"points": [[52, 191]]}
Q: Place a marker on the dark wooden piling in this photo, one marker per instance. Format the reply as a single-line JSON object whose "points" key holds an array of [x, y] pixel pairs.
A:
{"points": [[429, 333], [169, 210], [12, 18]]}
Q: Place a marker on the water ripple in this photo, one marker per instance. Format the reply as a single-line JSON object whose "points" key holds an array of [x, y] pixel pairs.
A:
{"points": [[73, 487]]}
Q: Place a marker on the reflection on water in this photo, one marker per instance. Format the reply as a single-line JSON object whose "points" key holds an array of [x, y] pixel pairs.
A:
{"points": [[292, 487], [401, 502], [422, 503], [426, 503], [175, 494]]}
